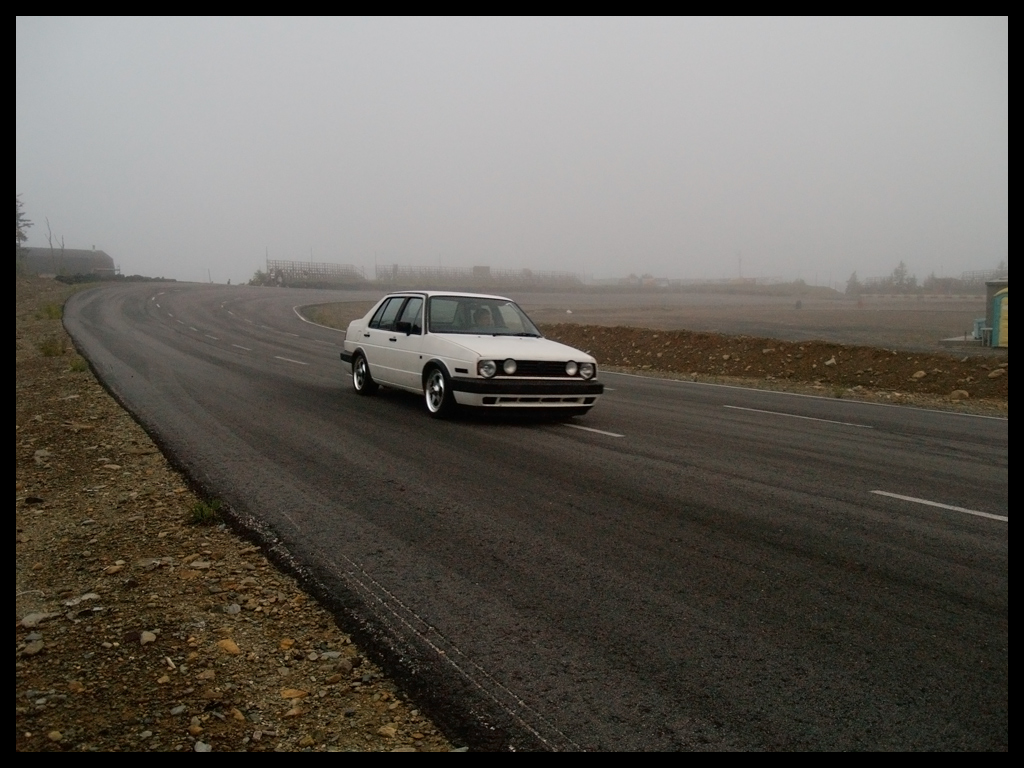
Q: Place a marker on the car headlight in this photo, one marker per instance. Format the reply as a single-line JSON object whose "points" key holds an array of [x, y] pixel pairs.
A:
{"points": [[509, 367], [571, 369], [587, 370], [486, 368]]}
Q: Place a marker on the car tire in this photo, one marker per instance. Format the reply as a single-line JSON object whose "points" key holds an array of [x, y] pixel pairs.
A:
{"points": [[362, 381], [437, 393]]}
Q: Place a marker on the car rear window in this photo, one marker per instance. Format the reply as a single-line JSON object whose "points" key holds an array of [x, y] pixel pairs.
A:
{"points": [[384, 318]]}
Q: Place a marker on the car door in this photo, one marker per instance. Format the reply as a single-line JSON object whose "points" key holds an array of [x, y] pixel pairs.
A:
{"points": [[407, 343], [379, 339]]}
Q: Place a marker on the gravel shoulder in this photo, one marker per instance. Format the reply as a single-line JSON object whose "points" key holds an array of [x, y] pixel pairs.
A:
{"points": [[142, 621]]}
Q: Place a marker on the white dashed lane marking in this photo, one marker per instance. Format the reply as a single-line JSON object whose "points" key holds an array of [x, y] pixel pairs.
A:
{"points": [[595, 431], [989, 515]]}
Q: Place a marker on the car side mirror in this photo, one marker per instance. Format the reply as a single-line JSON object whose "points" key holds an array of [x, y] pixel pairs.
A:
{"points": [[403, 327]]}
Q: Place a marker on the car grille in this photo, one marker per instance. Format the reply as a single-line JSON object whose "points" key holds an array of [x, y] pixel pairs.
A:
{"points": [[538, 369]]}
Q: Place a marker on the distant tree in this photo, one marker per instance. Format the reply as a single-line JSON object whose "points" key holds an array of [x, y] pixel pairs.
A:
{"points": [[259, 278], [899, 275], [901, 280], [942, 285], [853, 286], [21, 221]]}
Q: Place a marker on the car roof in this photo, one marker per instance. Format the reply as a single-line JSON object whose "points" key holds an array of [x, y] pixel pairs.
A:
{"points": [[453, 294]]}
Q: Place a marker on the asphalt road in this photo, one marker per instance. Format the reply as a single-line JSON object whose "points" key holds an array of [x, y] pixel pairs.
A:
{"points": [[687, 567]]}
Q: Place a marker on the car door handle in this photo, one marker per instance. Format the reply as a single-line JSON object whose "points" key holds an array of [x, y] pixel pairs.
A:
{"points": [[393, 338], [366, 335]]}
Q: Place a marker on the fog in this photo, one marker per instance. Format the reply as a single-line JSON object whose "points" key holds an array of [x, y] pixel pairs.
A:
{"points": [[682, 148]]}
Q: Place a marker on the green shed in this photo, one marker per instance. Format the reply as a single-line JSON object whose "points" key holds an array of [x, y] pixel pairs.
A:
{"points": [[1000, 318]]}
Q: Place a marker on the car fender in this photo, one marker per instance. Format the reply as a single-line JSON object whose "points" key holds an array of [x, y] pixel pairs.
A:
{"points": [[348, 357], [434, 361]]}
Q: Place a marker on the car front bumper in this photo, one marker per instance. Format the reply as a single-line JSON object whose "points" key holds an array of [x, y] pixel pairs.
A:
{"points": [[512, 393]]}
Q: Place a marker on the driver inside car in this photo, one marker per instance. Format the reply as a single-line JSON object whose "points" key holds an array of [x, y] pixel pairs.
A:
{"points": [[482, 318]]}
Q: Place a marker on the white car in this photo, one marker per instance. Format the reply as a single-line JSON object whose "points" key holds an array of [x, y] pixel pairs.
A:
{"points": [[467, 349]]}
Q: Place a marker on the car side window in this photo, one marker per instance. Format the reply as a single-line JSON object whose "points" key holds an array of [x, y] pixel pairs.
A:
{"points": [[442, 311], [384, 318], [412, 313]]}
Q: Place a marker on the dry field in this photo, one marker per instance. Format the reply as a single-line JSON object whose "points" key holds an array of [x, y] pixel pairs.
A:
{"points": [[889, 322]]}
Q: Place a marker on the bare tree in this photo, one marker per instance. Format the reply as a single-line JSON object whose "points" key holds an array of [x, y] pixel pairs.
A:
{"points": [[58, 266]]}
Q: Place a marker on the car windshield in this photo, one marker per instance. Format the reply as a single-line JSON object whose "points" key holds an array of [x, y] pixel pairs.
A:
{"points": [[477, 315]]}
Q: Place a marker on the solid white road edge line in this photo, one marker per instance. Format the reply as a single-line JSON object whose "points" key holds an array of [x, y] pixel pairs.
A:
{"points": [[943, 506], [795, 416]]}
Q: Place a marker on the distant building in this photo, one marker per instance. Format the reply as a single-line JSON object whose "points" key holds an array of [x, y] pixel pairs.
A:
{"points": [[67, 261]]}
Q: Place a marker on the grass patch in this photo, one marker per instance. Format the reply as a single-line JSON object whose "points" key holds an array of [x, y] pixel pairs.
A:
{"points": [[204, 513], [50, 312], [78, 365], [51, 346]]}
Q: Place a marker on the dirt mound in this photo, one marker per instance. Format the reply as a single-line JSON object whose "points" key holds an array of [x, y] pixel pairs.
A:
{"points": [[836, 369]]}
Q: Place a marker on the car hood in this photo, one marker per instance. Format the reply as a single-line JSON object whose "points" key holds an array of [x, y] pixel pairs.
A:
{"points": [[516, 347]]}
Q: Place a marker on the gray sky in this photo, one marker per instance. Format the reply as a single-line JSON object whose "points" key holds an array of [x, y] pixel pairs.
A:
{"points": [[812, 147]]}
